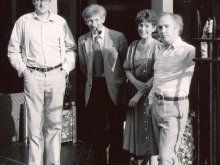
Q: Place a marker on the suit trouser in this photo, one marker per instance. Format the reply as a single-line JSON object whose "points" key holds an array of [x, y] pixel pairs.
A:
{"points": [[104, 125], [44, 93], [169, 121]]}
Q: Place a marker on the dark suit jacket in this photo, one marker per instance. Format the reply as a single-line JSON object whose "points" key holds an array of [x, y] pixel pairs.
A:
{"points": [[114, 53]]}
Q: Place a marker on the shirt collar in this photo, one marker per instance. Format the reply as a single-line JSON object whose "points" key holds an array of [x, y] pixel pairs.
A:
{"points": [[175, 44], [50, 18]]}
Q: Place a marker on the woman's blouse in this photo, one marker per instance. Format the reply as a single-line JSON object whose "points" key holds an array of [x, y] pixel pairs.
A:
{"points": [[140, 59]]}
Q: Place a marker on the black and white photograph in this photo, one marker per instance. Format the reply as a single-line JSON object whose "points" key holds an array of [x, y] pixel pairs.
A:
{"points": [[109, 82]]}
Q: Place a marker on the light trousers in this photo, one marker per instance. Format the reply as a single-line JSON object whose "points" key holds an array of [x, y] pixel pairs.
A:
{"points": [[169, 121], [44, 93]]}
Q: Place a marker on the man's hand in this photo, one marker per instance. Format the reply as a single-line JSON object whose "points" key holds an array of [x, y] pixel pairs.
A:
{"points": [[26, 72], [64, 72]]}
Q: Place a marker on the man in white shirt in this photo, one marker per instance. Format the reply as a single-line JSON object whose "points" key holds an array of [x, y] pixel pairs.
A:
{"points": [[41, 49], [168, 99]]}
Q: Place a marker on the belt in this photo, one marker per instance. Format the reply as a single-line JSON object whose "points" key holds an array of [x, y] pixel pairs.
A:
{"points": [[167, 98], [45, 69]]}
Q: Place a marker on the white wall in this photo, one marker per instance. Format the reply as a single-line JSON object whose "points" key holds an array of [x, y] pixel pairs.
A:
{"points": [[162, 5], [53, 6]]}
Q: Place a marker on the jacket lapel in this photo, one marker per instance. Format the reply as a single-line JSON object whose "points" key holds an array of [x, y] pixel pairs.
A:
{"points": [[88, 51], [109, 51]]}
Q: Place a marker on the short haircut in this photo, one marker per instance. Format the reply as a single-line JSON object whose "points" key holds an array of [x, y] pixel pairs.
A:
{"points": [[92, 10], [178, 20], [148, 16]]}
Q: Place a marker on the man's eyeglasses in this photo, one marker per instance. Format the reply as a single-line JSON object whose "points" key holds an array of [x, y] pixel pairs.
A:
{"points": [[42, 1]]}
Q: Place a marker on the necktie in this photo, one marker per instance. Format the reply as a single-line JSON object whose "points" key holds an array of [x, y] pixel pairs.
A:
{"points": [[98, 58]]}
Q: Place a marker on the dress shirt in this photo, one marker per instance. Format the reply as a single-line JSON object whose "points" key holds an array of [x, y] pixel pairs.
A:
{"points": [[98, 56], [44, 43], [101, 37], [173, 70], [36, 43]]}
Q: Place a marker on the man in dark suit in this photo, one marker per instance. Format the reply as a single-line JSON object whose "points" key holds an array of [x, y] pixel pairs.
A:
{"points": [[101, 54]]}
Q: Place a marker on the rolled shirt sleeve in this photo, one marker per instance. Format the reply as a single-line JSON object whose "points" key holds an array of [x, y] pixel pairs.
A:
{"points": [[16, 48], [70, 50]]}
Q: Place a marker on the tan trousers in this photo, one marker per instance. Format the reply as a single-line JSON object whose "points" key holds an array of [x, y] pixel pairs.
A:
{"points": [[169, 121], [44, 93]]}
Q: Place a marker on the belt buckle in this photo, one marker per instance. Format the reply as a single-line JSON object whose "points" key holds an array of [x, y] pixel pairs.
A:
{"points": [[43, 69], [159, 97]]}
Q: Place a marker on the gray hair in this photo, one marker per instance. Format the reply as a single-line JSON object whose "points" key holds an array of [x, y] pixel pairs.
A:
{"points": [[93, 9], [178, 20]]}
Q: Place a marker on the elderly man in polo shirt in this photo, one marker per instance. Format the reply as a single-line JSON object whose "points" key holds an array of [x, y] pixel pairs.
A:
{"points": [[41, 49], [168, 98]]}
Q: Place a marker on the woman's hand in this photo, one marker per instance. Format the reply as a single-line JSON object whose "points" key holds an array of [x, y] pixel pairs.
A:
{"points": [[135, 99], [140, 86]]}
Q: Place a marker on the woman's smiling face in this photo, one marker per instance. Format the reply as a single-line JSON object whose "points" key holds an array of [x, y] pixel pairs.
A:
{"points": [[145, 29]]}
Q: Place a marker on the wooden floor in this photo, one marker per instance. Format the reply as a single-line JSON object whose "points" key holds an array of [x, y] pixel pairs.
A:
{"points": [[71, 154]]}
